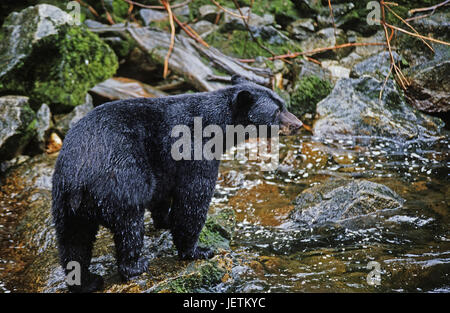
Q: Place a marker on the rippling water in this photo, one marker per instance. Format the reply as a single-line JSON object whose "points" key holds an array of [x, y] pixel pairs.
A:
{"points": [[411, 245]]}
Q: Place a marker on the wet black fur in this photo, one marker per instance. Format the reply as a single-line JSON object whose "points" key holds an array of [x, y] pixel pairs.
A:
{"points": [[116, 162]]}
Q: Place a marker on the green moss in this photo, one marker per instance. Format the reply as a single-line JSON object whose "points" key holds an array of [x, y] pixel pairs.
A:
{"points": [[194, 279], [240, 44], [283, 10], [75, 60], [217, 230], [307, 93]]}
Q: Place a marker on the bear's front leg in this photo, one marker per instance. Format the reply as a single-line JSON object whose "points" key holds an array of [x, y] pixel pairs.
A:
{"points": [[187, 218]]}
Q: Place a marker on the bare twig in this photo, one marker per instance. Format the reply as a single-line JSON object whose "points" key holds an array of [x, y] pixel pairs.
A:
{"points": [[190, 32], [332, 18], [418, 35], [412, 28], [217, 4], [319, 50], [157, 7], [89, 7], [172, 37], [432, 8], [108, 16]]}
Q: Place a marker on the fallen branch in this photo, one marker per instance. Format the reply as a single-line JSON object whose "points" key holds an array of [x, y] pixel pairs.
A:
{"points": [[315, 51]]}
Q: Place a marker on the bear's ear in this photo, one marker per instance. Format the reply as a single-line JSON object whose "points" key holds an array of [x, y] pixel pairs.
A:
{"points": [[236, 80], [242, 101]]}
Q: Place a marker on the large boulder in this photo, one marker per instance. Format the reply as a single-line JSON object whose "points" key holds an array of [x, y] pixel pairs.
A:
{"points": [[342, 200], [29, 197], [354, 108], [44, 55], [430, 83], [18, 125]]}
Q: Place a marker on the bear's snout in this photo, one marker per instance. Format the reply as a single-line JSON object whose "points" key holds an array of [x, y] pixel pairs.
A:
{"points": [[289, 123]]}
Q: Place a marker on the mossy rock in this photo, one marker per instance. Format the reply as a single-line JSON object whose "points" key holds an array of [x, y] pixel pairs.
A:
{"points": [[218, 230], [51, 60], [239, 43], [199, 276], [18, 125], [308, 91]]}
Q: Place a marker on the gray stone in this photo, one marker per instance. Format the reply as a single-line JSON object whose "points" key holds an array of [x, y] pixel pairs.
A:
{"points": [[354, 109], [204, 28], [377, 65], [301, 29], [149, 15], [17, 125], [44, 124], [430, 83], [342, 200], [326, 38], [339, 11], [306, 68], [65, 122], [209, 12], [38, 22], [234, 22]]}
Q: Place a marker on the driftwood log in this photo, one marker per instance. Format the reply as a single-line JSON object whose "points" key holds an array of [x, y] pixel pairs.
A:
{"points": [[189, 59]]}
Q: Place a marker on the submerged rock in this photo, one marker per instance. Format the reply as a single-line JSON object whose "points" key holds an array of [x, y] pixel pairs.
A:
{"points": [[354, 108], [29, 192], [43, 55], [340, 200], [18, 125]]}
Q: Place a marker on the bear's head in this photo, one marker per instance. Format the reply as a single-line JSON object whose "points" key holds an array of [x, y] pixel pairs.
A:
{"points": [[253, 104]]}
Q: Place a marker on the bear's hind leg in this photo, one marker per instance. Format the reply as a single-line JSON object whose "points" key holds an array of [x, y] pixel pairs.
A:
{"points": [[129, 240], [76, 238]]}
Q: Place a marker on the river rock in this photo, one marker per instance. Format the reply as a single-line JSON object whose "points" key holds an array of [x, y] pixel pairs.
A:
{"points": [[354, 109], [234, 22], [149, 15], [301, 29], [209, 12], [65, 122], [18, 125], [340, 200], [430, 83], [377, 65], [29, 194], [45, 56], [326, 38], [204, 28]]}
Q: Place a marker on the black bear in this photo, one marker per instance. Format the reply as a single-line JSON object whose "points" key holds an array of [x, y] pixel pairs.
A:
{"points": [[116, 162]]}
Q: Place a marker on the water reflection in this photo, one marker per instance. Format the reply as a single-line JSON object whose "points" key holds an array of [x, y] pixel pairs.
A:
{"points": [[412, 244]]}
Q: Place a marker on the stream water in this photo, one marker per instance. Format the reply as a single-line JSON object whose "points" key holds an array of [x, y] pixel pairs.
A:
{"points": [[410, 246]]}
